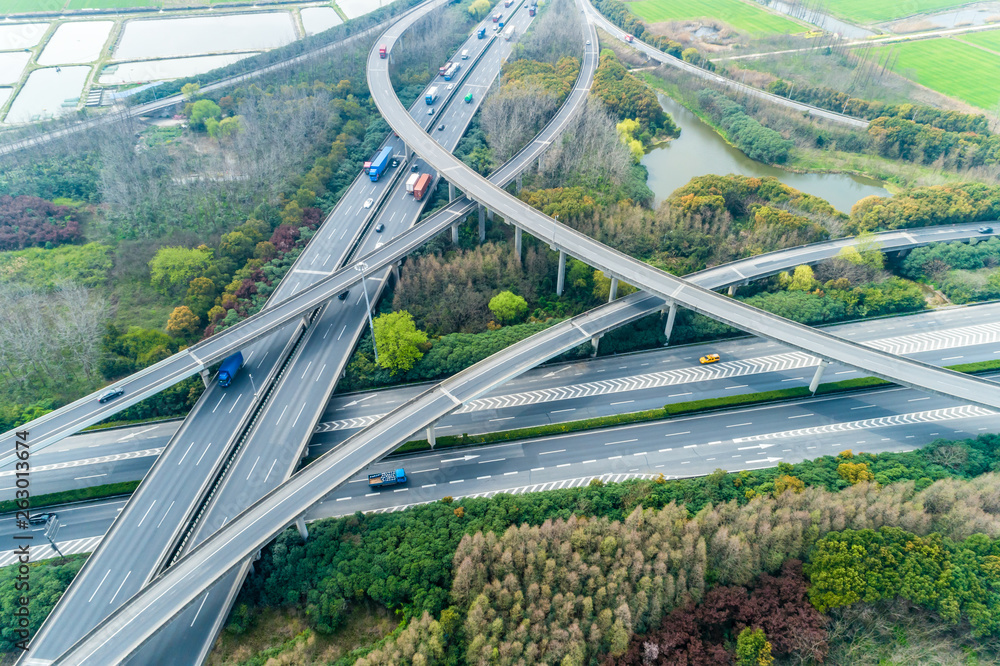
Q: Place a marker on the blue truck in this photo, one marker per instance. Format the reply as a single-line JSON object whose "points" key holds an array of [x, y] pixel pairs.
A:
{"points": [[379, 164], [230, 368], [431, 95], [384, 479], [481, 34]]}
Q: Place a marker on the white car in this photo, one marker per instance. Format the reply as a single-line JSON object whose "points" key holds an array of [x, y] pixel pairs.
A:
{"points": [[368, 202], [451, 86], [430, 111]]}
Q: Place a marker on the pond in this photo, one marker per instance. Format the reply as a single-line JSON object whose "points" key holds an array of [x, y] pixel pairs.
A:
{"points": [[356, 8], [21, 35], [964, 16], [818, 18], [12, 64], [197, 35], [168, 68], [76, 42], [701, 151], [317, 19], [45, 93]]}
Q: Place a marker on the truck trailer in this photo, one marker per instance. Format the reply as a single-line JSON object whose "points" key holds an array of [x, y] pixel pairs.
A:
{"points": [[431, 95], [421, 186], [411, 181], [508, 34], [230, 368], [452, 71], [383, 52], [384, 479], [379, 163]]}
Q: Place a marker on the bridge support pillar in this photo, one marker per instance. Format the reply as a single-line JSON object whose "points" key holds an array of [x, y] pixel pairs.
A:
{"points": [[300, 523], [561, 280], [454, 234], [489, 214], [451, 191], [613, 292], [595, 341], [817, 376], [205, 377], [395, 271], [517, 183], [671, 316], [482, 224], [430, 436], [517, 242], [305, 321], [732, 290]]}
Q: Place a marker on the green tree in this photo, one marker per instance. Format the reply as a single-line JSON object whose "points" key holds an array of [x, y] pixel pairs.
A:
{"points": [[753, 649], [508, 307], [201, 111], [398, 341], [200, 297], [237, 246], [190, 90], [173, 268], [182, 322], [479, 9], [802, 279]]}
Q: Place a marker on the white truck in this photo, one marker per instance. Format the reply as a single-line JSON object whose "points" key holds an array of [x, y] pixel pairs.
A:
{"points": [[411, 182]]}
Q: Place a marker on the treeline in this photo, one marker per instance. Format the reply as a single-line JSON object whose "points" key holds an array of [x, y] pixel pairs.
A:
{"points": [[839, 102], [30, 221], [900, 138], [964, 272], [758, 142], [927, 206], [629, 98]]}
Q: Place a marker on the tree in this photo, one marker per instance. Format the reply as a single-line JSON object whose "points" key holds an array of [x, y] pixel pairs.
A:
{"points": [[397, 340], [201, 111], [200, 296], [237, 246], [182, 322], [752, 648], [802, 279], [190, 90], [479, 9], [173, 268], [508, 307]]}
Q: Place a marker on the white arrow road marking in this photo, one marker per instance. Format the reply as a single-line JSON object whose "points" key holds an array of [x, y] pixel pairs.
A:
{"points": [[466, 457]]}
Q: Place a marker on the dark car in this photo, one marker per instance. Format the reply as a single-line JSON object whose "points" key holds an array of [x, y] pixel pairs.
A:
{"points": [[380, 228], [111, 395], [985, 230], [343, 295], [415, 168], [395, 163], [40, 518], [440, 127]]}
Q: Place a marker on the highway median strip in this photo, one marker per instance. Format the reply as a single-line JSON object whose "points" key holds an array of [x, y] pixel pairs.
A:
{"points": [[649, 415]]}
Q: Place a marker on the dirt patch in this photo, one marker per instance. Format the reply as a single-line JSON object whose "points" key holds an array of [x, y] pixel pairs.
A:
{"points": [[705, 34], [912, 25]]}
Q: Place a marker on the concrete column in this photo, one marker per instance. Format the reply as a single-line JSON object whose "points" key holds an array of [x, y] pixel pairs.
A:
{"points": [[613, 294], [517, 242], [305, 321], [732, 290], [301, 524], [671, 316], [561, 281], [517, 183], [430, 436], [454, 233], [595, 341], [252, 570], [489, 214], [814, 384], [482, 224], [395, 271], [205, 377], [451, 192]]}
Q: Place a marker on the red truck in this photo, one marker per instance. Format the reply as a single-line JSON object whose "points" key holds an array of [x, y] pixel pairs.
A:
{"points": [[420, 188], [628, 38], [531, 10], [383, 52]]}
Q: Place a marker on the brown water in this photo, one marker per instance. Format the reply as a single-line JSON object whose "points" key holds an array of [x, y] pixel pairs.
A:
{"points": [[700, 151]]}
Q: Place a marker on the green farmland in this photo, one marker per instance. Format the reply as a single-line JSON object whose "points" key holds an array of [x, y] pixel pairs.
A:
{"points": [[22, 6], [988, 40], [743, 16], [951, 67], [877, 11]]}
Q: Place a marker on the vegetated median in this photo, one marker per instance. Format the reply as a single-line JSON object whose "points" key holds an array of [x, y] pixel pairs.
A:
{"points": [[597, 423]]}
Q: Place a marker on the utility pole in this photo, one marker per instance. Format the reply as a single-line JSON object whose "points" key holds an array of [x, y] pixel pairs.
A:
{"points": [[362, 267]]}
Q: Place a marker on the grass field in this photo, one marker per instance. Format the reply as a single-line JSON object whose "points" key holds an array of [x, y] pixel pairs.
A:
{"points": [[743, 16], [877, 11], [988, 40], [953, 68]]}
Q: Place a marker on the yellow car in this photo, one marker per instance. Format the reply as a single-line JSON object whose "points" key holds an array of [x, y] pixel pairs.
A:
{"points": [[709, 358]]}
